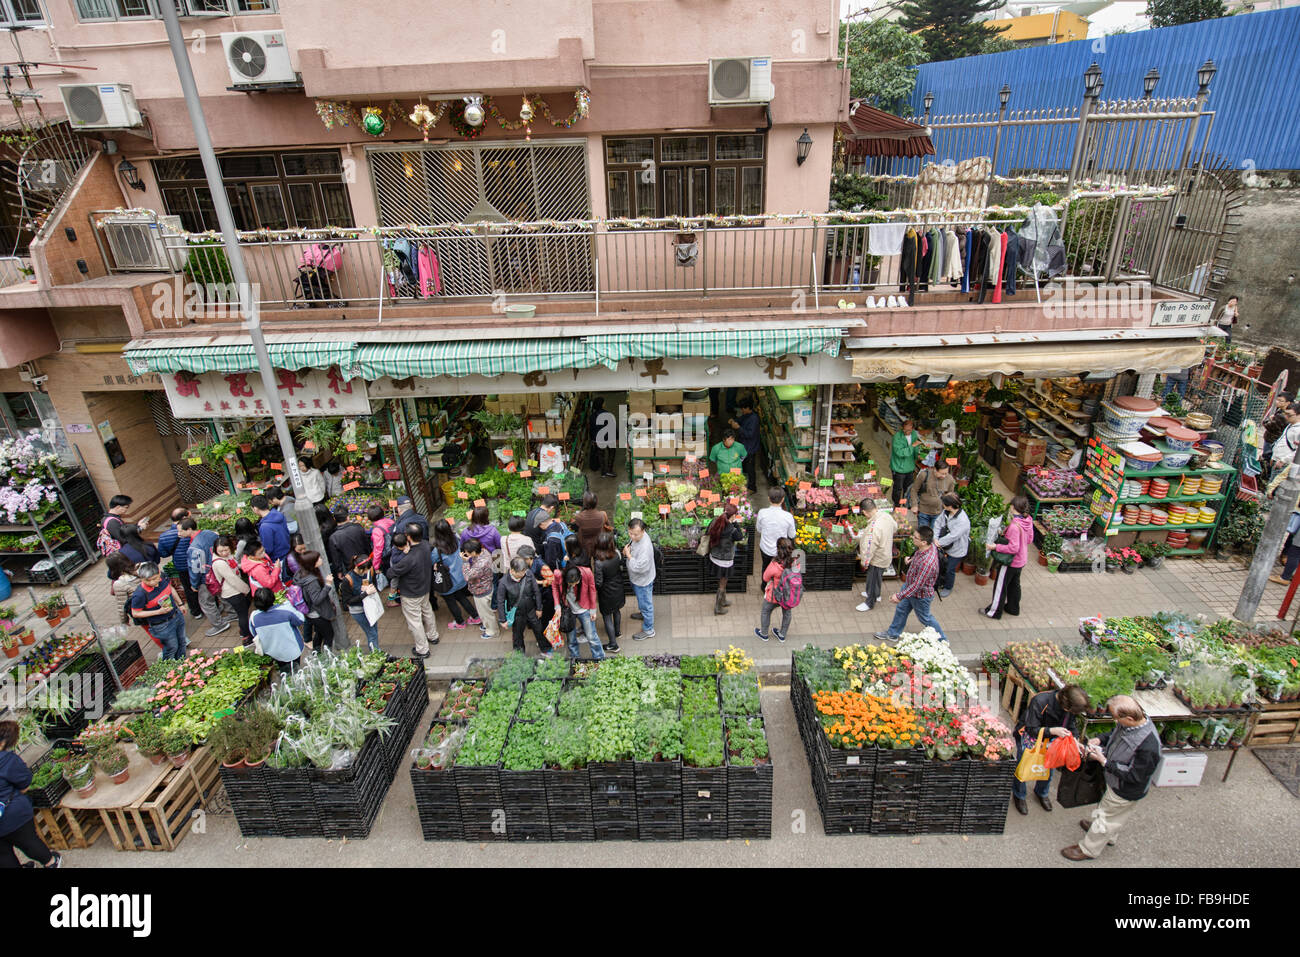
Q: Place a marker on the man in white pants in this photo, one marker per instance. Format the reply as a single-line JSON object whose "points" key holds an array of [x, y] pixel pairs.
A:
{"points": [[1130, 755]]}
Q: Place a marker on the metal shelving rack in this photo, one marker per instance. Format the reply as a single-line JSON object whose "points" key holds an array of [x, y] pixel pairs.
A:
{"points": [[72, 502]]}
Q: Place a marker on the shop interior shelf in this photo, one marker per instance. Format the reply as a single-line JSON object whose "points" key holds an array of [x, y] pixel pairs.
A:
{"points": [[1153, 500], [1039, 403], [53, 517], [1162, 528], [1161, 472]]}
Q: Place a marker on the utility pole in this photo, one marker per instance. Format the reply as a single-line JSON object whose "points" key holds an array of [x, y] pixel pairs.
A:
{"points": [[1270, 543], [248, 304]]}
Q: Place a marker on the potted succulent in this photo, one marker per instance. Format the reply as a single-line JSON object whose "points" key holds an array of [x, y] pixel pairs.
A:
{"points": [[114, 762], [10, 645], [148, 734], [25, 636], [41, 609]]}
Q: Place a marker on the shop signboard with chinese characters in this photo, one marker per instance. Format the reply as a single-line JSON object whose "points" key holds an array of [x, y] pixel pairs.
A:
{"points": [[239, 395], [1104, 468]]}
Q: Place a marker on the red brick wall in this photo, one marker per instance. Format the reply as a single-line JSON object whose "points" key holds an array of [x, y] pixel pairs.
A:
{"points": [[98, 189]]}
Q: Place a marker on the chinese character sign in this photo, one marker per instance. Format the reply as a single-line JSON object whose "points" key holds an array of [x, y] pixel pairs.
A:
{"points": [[314, 392]]}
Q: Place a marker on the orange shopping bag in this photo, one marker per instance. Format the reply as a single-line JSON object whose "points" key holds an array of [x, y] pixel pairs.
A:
{"points": [[1063, 753]]}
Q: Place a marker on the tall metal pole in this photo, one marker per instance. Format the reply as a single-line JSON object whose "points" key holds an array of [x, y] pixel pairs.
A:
{"points": [[248, 304], [1270, 543]]}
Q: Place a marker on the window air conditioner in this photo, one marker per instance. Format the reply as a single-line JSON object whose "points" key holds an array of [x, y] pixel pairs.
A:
{"points": [[260, 56], [100, 106], [742, 81]]}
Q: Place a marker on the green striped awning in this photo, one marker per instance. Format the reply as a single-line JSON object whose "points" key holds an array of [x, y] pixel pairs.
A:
{"points": [[487, 357], [714, 345], [239, 357]]}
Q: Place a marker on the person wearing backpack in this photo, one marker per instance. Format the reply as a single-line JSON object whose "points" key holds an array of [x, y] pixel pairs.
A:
{"points": [[918, 590], [199, 563], [277, 628], [477, 566], [533, 521], [574, 593], [381, 543], [928, 489], [639, 555], [271, 528], [784, 578], [554, 552], [353, 587], [449, 575], [317, 596], [258, 568], [110, 529]]}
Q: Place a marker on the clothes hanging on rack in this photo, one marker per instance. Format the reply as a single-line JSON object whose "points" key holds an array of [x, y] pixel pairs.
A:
{"points": [[430, 274], [968, 240], [885, 239], [952, 256], [935, 272], [1010, 263], [911, 261], [927, 259], [995, 274]]}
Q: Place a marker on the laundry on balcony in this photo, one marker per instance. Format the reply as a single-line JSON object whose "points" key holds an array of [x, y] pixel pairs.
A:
{"points": [[412, 268]]}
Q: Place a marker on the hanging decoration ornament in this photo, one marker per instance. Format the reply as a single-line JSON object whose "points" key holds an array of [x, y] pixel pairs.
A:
{"points": [[331, 113], [506, 124], [423, 119], [461, 125], [373, 121], [582, 106], [526, 111]]}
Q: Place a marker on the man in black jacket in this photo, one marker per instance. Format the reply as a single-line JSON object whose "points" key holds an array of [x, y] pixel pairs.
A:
{"points": [[532, 524], [1051, 712], [348, 543], [411, 567], [1130, 755], [409, 516]]}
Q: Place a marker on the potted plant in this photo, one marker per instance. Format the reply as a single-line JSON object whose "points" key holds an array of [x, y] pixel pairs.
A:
{"points": [[10, 645], [7, 615], [983, 560], [79, 772], [1113, 560], [41, 609], [114, 762], [1129, 560], [320, 433], [244, 438], [218, 452], [207, 266], [148, 734], [57, 602], [25, 636], [176, 745]]}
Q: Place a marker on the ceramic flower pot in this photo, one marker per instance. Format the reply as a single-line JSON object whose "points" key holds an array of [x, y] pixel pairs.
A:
{"points": [[11, 651], [122, 776]]}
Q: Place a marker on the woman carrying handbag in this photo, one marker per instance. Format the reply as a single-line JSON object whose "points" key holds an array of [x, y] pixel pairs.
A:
{"points": [[724, 533]]}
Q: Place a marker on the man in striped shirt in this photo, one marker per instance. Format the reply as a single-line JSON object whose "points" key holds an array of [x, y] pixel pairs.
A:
{"points": [[918, 590]]}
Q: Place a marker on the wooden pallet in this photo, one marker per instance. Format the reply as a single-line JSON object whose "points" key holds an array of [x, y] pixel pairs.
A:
{"points": [[160, 820], [66, 829], [1275, 724], [1016, 692]]}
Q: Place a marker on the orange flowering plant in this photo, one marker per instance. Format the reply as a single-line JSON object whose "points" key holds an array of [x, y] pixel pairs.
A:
{"points": [[853, 720]]}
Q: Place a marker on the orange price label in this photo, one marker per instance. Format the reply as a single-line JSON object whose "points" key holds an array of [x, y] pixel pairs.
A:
{"points": [[543, 490], [352, 446], [351, 485], [471, 481], [392, 503], [309, 444], [527, 473], [842, 511], [479, 503], [239, 508], [690, 506], [856, 510], [805, 486], [736, 472], [563, 496], [625, 496], [664, 509], [277, 467], [951, 461], [462, 495], [704, 473], [640, 493]]}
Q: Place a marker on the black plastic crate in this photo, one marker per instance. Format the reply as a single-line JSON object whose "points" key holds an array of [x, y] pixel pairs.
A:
{"points": [[523, 788], [749, 818], [50, 795], [616, 832], [483, 822], [571, 822], [478, 782], [437, 804], [751, 783], [659, 823], [528, 823], [704, 803], [567, 787], [946, 779], [991, 780], [658, 780], [841, 762]]}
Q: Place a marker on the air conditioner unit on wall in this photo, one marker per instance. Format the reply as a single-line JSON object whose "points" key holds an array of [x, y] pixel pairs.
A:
{"points": [[260, 56], [740, 81], [138, 243], [100, 106]]}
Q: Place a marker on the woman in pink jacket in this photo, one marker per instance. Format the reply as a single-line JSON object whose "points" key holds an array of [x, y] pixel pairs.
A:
{"points": [[1006, 585], [258, 567], [578, 597]]}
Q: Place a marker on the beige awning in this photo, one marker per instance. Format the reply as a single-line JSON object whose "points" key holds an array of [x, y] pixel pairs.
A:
{"points": [[1040, 359]]}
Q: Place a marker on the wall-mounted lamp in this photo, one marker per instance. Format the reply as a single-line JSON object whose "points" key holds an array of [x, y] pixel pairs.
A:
{"points": [[1092, 80], [1204, 75], [802, 146], [132, 176]]}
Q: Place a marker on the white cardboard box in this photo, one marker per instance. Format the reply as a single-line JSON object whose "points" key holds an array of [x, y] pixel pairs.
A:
{"points": [[1180, 770]]}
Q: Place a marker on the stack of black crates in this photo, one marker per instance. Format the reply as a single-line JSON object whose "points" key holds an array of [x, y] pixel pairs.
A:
{"points": [[310, 802], [886, 791]]}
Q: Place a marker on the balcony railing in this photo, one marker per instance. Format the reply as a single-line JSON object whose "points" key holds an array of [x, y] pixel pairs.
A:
{"points": [[1104, 237]]}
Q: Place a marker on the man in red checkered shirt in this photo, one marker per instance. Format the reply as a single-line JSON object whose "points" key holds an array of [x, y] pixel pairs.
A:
{"points": [[918, 590]]}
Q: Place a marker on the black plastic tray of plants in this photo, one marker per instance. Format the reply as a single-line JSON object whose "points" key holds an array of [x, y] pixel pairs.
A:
{"points": [[50, 795]]}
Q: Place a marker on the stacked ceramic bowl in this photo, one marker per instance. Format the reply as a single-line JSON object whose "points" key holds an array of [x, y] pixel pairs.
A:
{"points": [[1176, 539], [1177, 514], [1210, 485], [1190, 485], [1159, 488]]}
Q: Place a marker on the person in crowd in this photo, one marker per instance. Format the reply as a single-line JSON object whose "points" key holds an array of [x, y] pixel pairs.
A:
{"points": [[199, 559], [168, 541], [407, 515], [574, 553], [258, 568], [278, 628], [575, 591], [590, 522], [318, 592], [533, 522], [447, 550], [1275, 425], [1177, 382], [333, 480], [297, 546], [773, 523], [272, 528], [349, 542], [542, 575], [284, 503], [952, 536], [477, 566], [639, 555], [382, 532], [1290, 549], [554, 550], [17, 821], [481, 527], [313, 480], [110, 535], [875, 549], [519, 605], [1129, 755], [602, 455], [1006, 585], [903, 452], [918, 588], [783, 561], [136, 548], [325, 521], [1052, 712], [1228, 316], [929, 487], [746, 426], [515, 539], [157, 607], [1284, 448], [607, 566], [412, 570], [725, 533], [235, 591], [353, 587], [244, 530], [727, 454], [122, 583]]}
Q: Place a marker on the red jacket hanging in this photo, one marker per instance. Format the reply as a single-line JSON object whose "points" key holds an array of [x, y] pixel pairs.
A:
{"points": [[430, 275]]}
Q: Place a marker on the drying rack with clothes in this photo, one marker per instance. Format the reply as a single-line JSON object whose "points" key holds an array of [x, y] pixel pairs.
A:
{"points": [[416, 273]]}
